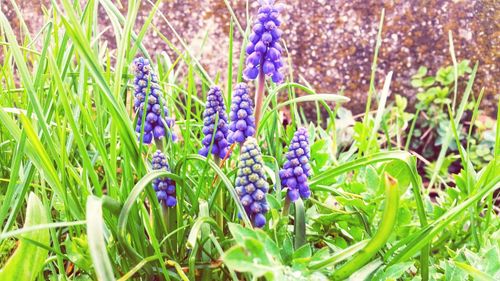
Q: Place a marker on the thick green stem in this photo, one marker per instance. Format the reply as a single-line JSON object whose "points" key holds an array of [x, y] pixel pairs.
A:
{"points": [[380, 238]]}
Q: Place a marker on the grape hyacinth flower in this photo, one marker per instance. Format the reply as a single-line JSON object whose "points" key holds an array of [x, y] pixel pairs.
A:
{"points": [[215, 107], [242, 121], [297, 168], [155, 123], [164, 187], [251, 184], [264, 50]]}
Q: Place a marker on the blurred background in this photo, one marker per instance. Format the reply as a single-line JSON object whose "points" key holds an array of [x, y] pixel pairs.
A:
{"points": [[331, 43]]}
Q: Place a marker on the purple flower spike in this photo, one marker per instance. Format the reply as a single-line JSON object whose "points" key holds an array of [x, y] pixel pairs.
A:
{"points": [[242, 124], [155, 123], [164, 187], [297, 170], [263, 49], [215, 106], [251, 184]]}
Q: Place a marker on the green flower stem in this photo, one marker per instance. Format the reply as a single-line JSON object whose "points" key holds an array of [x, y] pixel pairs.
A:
{"points": [[380, 238], [170, 218], [220, 198], [286, 208], [159, 144]]}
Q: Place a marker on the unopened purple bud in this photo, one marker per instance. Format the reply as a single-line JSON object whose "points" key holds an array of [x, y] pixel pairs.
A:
{"points": [[273, 54], [293, 194], [267, 38], [159, 132], [251, 73], [277, 77], [260, 47], [250, 48], [259, 220], [253, 59], [171, 201], [151, 117], [254, 38], [147, 138], [268, 68], [258, 28]]}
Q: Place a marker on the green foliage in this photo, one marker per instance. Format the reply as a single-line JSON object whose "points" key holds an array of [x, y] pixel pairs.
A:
{"points": [[433, 98], [66, 137]]}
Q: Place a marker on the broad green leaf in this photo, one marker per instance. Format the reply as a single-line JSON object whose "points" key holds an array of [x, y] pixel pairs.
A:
{"points": [[400, 172], [238, 258], [28, 259]]}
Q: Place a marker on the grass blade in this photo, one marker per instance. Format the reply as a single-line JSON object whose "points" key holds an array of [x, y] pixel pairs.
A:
{"points": [[97, 245]]}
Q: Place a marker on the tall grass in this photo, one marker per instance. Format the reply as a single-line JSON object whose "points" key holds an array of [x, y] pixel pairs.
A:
{"points": [[69, 150]]}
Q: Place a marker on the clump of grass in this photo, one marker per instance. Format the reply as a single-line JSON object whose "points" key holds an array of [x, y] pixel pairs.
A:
{"points": [[68, 137]]}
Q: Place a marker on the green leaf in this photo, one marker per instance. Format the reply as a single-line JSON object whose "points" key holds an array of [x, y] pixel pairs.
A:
{"points": [[393, 272], [317, 146], [97, 245], [78, 252], [421, 72], [474, 272], [238, 258], [428, 81], [240, 233], [372, 178], [303, 252], [416, 83], [400, 172], [453, 273], [28, 259]]}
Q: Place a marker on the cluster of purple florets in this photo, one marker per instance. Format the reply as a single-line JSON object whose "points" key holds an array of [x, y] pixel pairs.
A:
{"points": [[242, 123], [251, 185], [297, 168], [215, 110], [264, 50], [164, 187], [147, 81]]}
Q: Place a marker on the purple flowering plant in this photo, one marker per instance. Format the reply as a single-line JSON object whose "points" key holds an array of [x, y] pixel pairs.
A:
{"points": [[242, 120], [264, 49], [149, 103], [215, 125], [164, 187], [251, 183], [297, 169]]}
